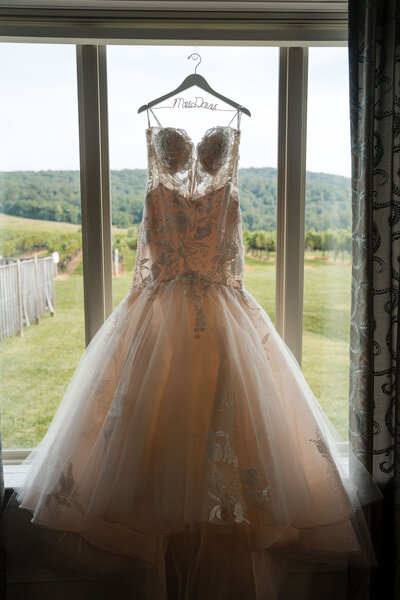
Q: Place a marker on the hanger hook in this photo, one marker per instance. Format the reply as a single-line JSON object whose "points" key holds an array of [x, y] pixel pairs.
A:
{"points": [[195, 56]]}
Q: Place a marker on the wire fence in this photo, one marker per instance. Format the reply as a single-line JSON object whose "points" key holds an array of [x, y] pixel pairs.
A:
{"points": [[26, 293]]}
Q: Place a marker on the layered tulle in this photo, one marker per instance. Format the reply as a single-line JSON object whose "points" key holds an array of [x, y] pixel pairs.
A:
{"points": [[189, 459], [209, 449]]}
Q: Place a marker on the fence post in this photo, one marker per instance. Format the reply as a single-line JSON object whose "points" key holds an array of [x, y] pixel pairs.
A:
{"points": [[116, 263], [37, 290], [56, 260], [21, 299], [10, 329], [19, 292], [48, 267]]}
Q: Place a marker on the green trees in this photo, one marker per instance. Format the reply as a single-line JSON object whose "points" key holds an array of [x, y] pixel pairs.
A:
{"points": [[258, 242], [55, 196], [47, 195], [338, 240], [25, 242]]}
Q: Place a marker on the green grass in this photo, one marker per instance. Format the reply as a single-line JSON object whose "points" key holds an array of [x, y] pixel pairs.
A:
{"points": [[36, 368], [26, 225], [326, 334], [325, 366], [22, 224], [259, 281]]}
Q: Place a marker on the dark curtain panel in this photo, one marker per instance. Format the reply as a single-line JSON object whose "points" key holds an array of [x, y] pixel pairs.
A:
{"points": [[374, 411], [2, 548]]}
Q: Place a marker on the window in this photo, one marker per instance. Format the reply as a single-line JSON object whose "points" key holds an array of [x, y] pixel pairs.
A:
{"points": [[327, 263], [124, 67], [40, 221], [130, 86]]}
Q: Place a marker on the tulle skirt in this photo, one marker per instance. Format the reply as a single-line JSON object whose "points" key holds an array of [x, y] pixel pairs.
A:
{"points": [[189, 442]]}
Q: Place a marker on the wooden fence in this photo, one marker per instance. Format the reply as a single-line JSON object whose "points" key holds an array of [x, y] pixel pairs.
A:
{"points": [[26, 293]]}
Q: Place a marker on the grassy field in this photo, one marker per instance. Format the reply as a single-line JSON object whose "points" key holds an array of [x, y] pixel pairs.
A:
{"points": [[326, 336], [36, 368], [9, 222], [22, 224]]}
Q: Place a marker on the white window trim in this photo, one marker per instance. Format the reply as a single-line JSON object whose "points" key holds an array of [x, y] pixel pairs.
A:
{"points": [[95, 186], [282, 23], [291, 194], [293, 32]]}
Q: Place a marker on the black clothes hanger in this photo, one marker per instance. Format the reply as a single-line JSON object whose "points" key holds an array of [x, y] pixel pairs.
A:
{"points": [[195, 79]]}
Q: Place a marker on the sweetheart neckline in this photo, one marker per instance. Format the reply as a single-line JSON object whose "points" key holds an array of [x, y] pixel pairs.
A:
{"points": [[195, 145]]}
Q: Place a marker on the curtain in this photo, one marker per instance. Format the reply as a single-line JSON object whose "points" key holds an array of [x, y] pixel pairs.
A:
{"points": [[374, 402], [2, 547]]}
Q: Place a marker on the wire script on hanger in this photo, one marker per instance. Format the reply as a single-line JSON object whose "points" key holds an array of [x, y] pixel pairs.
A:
{"points": [[201, 82]]}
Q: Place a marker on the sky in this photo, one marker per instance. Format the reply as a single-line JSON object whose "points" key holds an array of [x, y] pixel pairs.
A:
{"points": [[39, 115]]}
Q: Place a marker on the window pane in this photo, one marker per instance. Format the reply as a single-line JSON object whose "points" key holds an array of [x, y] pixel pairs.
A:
{"points": [[139, 74], [40, 215], [327, 264]]}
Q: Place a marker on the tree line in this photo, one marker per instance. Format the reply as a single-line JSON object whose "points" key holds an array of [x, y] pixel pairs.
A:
{"points": [[55, 196], [260, 242], [16, 244]]}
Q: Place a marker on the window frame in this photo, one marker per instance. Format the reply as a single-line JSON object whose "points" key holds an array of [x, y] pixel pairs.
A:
{"points": [[294, 32]]}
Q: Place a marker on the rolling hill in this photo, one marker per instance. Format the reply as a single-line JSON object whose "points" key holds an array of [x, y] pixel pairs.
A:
{"points": [[55, 196]]}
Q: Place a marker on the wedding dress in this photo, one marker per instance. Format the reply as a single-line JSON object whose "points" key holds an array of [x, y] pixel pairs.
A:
{"points": [[188, 439]]}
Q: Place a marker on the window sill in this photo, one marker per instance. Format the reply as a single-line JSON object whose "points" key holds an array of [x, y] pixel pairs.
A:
{"points": [[14, 475], [14, 471]]}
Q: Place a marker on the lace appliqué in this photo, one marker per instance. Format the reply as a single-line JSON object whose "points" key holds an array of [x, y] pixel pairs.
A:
{"points": [[213, 150], [222, 401], [191, 225], [231, 492], [114, 416], [219, 449], [60, 496], [195, 289], [176, 163], [322, 446], [258, 497], [226, 507], [173, 149]]}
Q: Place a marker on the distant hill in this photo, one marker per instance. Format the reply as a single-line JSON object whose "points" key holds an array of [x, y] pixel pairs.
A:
{"points": [[55, 196]]}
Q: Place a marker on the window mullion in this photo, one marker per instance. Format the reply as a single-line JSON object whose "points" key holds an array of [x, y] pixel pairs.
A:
{"points": [[95, 200], [291, 196], [105, 183]]}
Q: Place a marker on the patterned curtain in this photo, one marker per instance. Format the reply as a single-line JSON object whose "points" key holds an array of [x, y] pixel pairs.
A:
{"points": [[374, 411], [2, 548]]}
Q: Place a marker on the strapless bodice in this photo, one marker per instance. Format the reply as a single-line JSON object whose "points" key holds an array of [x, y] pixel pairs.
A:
{"points": [[191, 225]]}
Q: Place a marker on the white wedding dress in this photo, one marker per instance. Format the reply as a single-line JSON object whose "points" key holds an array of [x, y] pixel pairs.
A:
{"points": [[188, 438]]}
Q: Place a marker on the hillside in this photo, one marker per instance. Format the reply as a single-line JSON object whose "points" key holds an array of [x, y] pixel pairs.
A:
{"points": [[55, 196]]}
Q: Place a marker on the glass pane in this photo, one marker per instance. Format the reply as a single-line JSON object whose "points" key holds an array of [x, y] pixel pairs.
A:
{"points": [[40, 224], [139, 74], [327, 264]]}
